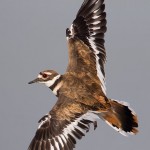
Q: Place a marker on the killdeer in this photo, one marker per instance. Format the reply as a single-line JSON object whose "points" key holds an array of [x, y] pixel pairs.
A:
{"points": [[81, 90]]}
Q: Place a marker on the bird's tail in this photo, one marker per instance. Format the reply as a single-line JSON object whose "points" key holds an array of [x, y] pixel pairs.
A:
{"points": [[121, 118]]}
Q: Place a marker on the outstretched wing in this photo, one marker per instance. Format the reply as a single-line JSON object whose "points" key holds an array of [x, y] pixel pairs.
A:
{"points": [[86, 40], [64, 124]]}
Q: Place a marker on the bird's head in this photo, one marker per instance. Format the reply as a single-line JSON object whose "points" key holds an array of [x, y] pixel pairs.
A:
{"points": [[47, 77]]}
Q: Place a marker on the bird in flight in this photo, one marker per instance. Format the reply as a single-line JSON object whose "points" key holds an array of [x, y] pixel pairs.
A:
{"points": [[81, 91]]}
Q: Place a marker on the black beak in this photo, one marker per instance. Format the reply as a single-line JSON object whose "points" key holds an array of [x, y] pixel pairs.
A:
{"points": [[34, 81]]}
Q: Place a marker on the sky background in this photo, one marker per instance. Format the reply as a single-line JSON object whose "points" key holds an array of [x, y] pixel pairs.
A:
{"points": [[32, 39]]}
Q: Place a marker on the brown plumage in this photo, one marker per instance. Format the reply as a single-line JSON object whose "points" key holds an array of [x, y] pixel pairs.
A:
{"points": [[81, 90]]}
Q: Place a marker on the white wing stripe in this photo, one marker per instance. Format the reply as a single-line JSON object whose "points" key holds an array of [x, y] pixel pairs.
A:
{"points": [[96, 22], [95, 17], [99, 73], [88, 116], [51, 146], [68, 130], [60, 140], [63, 138], [43, 121], [56, 144]]}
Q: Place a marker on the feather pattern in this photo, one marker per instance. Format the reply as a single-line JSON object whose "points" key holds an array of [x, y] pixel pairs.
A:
{"points": [[61, 133], [81, 90], [89, 27]]}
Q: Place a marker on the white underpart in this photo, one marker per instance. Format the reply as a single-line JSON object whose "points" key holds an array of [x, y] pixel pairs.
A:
{"points": [[51, 82], [55, 90], [99, 73]]}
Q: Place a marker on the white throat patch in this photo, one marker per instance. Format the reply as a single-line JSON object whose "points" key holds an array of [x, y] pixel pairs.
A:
{"points": [[51, 82]]}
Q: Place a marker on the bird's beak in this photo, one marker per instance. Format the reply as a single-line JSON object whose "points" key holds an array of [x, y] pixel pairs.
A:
{"points": [[34, 81]]}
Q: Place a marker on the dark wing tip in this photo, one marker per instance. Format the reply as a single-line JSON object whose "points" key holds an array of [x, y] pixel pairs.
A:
{"points": [[90, 20]]}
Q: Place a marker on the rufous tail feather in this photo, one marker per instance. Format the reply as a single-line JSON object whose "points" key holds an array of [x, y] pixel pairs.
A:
{"points": [[121, 117]]}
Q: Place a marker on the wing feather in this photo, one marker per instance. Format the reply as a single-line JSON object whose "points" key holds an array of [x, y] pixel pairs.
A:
{"points": [[58, 131], [89, 27]]}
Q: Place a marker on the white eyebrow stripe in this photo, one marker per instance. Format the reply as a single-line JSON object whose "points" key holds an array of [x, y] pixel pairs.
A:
{"points": [[48, 73]]}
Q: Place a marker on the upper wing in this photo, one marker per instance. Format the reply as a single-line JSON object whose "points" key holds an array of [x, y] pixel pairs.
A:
{"points": [[65, 123], [86, 40]]}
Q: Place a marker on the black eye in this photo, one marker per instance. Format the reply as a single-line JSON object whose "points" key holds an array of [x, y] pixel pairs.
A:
{"points": [[44, 75]]}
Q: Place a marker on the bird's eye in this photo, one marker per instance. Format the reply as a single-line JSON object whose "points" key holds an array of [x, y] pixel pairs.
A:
{"points": [[44, 75]]}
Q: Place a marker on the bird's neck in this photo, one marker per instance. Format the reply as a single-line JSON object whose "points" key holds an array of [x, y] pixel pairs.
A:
{"points": [[56, 85]]}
